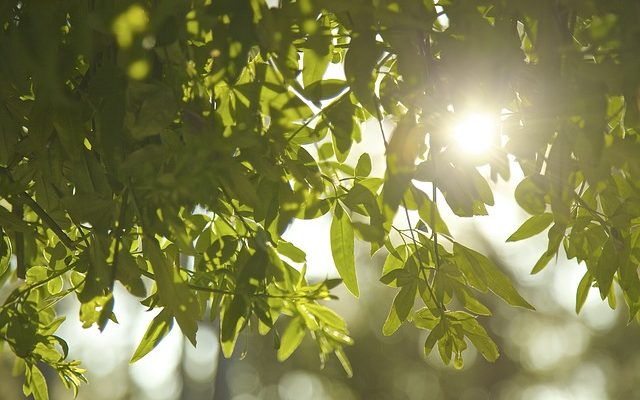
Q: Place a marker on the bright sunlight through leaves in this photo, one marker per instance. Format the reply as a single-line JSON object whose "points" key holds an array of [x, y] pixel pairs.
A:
{"points": [[475, 133]]}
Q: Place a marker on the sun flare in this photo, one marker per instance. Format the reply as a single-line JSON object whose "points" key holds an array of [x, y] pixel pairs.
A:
{"points": [[475, 133]]}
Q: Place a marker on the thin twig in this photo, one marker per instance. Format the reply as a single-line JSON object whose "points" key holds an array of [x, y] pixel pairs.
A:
{"points": [[316, 115], [262, 294], [422, 268], [151, 275], [594, 213], [434, 233], [36, 285], [235, 209], [26, 199]]}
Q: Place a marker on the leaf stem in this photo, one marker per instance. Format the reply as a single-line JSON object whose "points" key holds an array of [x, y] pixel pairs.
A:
{"points": [[423, 269], [236, 210], [36, 285], [26, 199], [316, 115]]}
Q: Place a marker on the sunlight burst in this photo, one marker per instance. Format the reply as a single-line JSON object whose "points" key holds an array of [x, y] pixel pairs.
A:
{"points": [[475, 133]]}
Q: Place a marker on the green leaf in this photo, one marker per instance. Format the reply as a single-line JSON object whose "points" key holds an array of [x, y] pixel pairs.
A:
{"points": [[464, 189], [54, 286], [5, 254], [555, 235], [425, 319], [400, 309], [484, 272], [362, 199], [402, 151], [363, 167], [315, 65], [482, 187], [344, 361], [395, 259], [156, 107], [38, 384], [342, 248], [68, 124], [470, 302], [530, 194], [368, 233], [11, 222], [326, 89], [90, 207], [427, 210], [291, 338], [542, 262], [606, 268], [327, 316], [173, 291], [359, 68], [233, 318], [289, 250], [159, 327], [611, 298], [445, 348], [319, 53], [434, 336], [583, 290], [531, 227], [128, 273], [97, 311], [480, 339], [98, 276]]}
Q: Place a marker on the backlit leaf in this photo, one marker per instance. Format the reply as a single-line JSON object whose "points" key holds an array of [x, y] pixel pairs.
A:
{"points": [[291, 338], [159, 327], [531, 227], [342, 249]]}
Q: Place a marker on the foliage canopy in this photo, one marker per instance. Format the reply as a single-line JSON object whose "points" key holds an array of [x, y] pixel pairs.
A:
{"points": [[137, 134]]}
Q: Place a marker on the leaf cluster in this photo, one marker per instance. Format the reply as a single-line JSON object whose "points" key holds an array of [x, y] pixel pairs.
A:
{"points": [[167, 145]]}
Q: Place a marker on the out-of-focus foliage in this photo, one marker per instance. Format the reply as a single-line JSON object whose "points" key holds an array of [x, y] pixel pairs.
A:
{"points": [[135, 133]]}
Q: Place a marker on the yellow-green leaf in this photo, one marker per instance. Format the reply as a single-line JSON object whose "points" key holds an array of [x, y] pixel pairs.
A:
{"points": [[291, 338], [531, 227], [173, 291], [38, 384], [487, 273], [159, 327], [342, 249]]}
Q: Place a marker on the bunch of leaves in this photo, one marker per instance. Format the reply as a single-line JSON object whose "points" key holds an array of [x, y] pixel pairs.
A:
{"points": [[137, 135]]}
